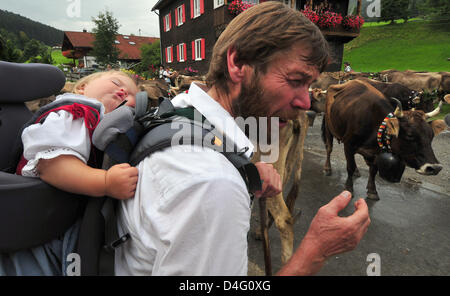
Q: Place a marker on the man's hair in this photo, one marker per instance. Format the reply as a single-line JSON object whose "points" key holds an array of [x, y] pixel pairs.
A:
{"points": [[259, 34], [89, 78]]}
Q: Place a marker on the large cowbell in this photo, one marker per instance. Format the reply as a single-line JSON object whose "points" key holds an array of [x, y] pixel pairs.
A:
{"points": [[390, 167]]}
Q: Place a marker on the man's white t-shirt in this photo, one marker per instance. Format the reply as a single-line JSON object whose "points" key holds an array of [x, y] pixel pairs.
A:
{"points": [[191, 211]]}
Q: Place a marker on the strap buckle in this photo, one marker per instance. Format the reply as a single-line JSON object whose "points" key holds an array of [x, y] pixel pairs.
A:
{"points": [[115, 244]]}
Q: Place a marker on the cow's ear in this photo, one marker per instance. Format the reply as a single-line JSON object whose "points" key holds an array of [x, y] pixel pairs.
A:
{"points": [[438, 125], [393, 127]]}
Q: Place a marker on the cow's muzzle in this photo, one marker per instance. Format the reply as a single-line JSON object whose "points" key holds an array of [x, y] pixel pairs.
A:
{"points": [[430, 169]]}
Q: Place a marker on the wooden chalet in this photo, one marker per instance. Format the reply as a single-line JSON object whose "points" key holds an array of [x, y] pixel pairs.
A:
{"points": [[190, 28], [77, 45]]}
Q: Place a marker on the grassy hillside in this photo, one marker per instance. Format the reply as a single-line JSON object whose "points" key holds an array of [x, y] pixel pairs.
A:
{"points": [[417, 45], [58, 58], [34, 30]]}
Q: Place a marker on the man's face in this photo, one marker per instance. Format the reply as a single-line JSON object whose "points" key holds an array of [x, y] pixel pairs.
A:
{"points": [[281, 92]]}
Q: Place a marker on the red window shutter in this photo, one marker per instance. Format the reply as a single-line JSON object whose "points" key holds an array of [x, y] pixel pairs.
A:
{"points": [[203, 48], [167, 56], [171, 52], [176, 17], [202, 6], [185, 52], [193, 50], [178, 53], [164, 22], [192, 9], [170, 20], [184, 13]]}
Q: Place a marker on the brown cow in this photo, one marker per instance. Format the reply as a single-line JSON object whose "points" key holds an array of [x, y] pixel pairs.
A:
{"points": [[291, 141], [155, 89], [445, 81], [354, 112], [326, 79], [408, 97], [414, 80], [183, 82]]}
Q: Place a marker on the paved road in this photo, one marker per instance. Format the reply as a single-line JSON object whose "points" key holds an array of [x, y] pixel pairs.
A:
{"points": [[410, 228]]}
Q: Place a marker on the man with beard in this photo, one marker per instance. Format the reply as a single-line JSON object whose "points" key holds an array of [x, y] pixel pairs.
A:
{"points": [[191, 211]]}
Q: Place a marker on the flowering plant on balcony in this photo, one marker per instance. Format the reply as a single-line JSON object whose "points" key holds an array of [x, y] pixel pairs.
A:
{"points": [[190, 71], [329, 19], [310, 14], [350, 22], [238, 6]]}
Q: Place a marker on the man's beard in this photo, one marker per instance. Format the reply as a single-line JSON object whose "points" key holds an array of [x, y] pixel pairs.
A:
{"points": [[255, 101]]}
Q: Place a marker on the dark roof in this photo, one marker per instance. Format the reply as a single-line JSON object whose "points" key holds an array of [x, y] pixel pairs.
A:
{"points": [[128, 46], [161, 4]]}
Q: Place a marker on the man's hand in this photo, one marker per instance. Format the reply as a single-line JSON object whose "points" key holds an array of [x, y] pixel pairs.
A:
{"points": [[328, 235], [121, 180], [335, 234], [270, 179]]}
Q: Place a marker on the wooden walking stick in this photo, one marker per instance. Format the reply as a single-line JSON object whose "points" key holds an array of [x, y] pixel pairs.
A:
{"points": [[264, 218]]}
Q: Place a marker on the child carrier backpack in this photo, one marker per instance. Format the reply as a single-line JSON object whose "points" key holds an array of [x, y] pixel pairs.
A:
{"points": [[33, 212]]}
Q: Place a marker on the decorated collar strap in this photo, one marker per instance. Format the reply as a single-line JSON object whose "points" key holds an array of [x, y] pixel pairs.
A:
{"points": [[412, 103], [383, 139]]}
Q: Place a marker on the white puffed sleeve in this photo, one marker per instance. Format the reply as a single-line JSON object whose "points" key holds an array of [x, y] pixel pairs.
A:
{"points": [[58, 135]]}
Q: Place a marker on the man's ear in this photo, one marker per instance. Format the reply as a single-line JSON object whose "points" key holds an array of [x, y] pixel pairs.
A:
{"points": [[393, 127], [235, 68]]}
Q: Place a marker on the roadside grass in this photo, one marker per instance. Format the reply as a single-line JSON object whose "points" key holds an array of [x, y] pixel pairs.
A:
{"points": [[416, 45]]}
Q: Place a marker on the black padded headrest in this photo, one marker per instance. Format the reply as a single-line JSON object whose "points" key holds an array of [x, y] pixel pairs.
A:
{"points": [[25, 82]]}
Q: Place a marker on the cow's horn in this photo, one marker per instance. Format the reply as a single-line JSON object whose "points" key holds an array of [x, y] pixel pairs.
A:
{"points": [[435, 111], [398, 110]]}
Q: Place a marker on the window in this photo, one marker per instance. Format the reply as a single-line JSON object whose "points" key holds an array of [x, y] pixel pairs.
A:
{"points": [[180, 17], [218, 3], [132, 42], [167, 22], [116, 41], [181, 52], [126, 37], [198, 49], [169, 54], [287, 2], [197, 8]]}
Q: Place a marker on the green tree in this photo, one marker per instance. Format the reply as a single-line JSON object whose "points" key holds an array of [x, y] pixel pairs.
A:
{"points": [[106, 30], [23, 40], [436, 8], [150, 59], [46, 55], [32, 49], [392, 10], [10, 52]]}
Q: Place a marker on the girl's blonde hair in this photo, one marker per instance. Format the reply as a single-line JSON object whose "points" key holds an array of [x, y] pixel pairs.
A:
{"points": [[85, 80]]}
